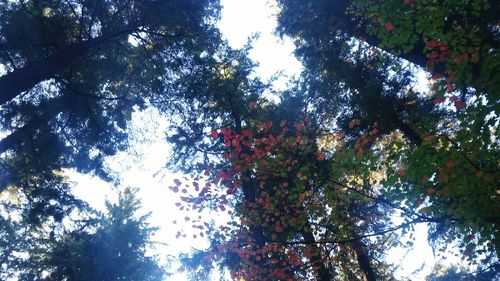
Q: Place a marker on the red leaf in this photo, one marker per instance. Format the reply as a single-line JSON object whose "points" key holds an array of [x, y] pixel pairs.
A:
{"points": [[388, 26], [299, 127], [235, 142], [215, 134], [461, 58], [246, 133], [247, 143], [459, 105], [252, 105], [269, 124], [437, 101], [320, 156], [278, 229], [302, 197]]}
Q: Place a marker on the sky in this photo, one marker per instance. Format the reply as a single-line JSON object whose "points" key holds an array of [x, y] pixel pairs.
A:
{"points": [[143, 165]]}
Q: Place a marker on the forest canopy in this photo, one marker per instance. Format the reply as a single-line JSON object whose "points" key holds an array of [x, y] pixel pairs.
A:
{"points": [[318, 182]]}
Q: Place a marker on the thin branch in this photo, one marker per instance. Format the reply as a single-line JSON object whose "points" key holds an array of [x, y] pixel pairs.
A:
{"points": [[394, 206]]}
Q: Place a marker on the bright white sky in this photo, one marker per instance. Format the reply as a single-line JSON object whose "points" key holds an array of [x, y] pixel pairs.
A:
{"points": [[142, 166]]}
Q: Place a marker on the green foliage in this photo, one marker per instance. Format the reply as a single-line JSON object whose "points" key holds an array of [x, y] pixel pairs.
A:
{"points": [[110, 247], [354, 53], [310, 182], [457, 36], [90, 65], [442, 273]]}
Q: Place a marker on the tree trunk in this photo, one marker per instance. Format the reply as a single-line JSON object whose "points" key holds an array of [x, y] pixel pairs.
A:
{"points": [[367, 273], [317, 259], [17, 136], [18, 81]]}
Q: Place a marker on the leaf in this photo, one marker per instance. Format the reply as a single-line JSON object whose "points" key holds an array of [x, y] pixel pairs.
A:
{"points": [[278, 229], [460, 105], [388, 26]]}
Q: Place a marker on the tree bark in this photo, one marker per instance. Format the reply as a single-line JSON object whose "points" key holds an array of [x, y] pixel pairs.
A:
{"points": [[17, 136], [23, 79], [367, 273], [317, 259]]}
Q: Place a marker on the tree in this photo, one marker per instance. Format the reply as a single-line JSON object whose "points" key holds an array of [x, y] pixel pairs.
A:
{"points": [[361, 75], [77, 69], [443, 273], [281, 228], [111, 247], [310, 182], [30, 219], [456, 40], [363, 98]]}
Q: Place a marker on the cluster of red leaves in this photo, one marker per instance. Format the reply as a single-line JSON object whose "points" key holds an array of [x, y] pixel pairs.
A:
{"points": [[458, 104], [256, 150], [269, 262], [439, 52]]}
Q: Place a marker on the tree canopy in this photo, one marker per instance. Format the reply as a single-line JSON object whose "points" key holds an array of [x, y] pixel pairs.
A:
{"points": [[317, 183]]}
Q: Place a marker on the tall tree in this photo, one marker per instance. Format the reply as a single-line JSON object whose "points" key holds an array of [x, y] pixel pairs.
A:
{"points": [[456, 40], [77, 69], [361, 74], [30, 219], [110, 247], [271, 174]]}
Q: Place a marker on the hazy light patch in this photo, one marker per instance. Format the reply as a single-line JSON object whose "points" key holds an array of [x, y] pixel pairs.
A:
{"points": [[92, 190], [418, 260], [241, 19]]}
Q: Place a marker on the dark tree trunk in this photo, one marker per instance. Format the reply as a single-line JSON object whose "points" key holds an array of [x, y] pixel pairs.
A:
{"points": [[367, 273], [23, 79], [317, 260], [17, 136]]}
